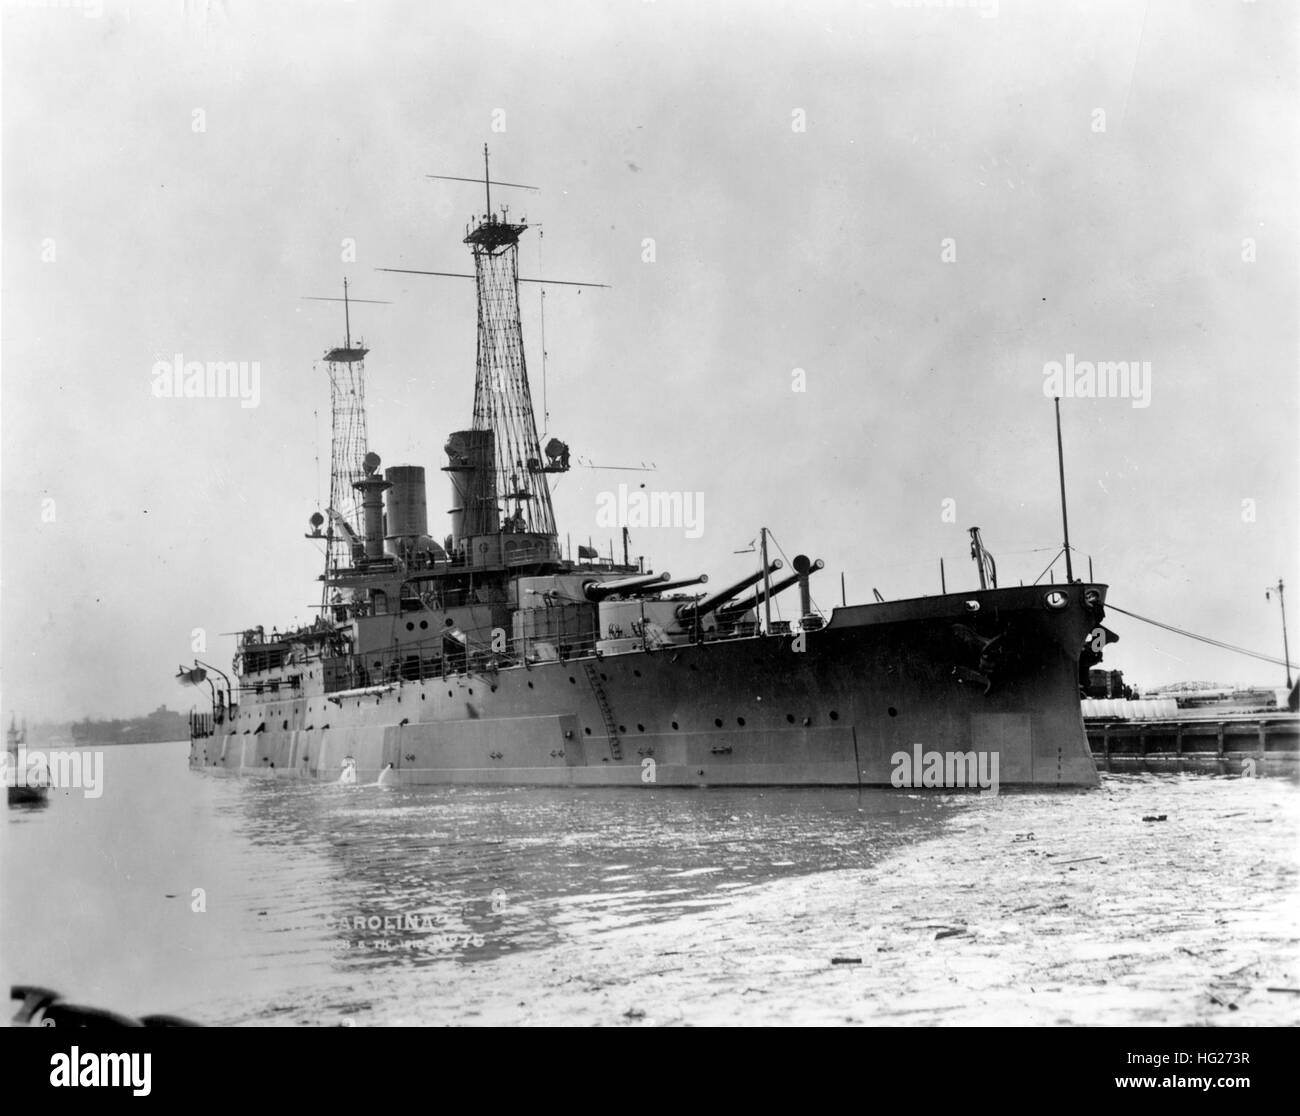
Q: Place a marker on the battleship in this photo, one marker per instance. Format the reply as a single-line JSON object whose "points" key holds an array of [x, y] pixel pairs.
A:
{"points": [[494, 657]]}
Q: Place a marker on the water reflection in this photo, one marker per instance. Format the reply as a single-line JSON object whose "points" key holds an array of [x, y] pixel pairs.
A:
{"points": [[428, 874], [220, 897]]}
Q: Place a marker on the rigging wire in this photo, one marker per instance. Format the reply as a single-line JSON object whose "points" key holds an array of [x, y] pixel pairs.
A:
{"points": [[1050, 564], [1203, 639], [546, 412], [812, 600], [315, 437]]}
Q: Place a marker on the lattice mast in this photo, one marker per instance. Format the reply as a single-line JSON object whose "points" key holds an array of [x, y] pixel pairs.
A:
{"points": [[346, 368], [502, 401]]}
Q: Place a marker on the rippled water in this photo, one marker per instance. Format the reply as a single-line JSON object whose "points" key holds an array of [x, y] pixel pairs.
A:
{"points": [[229, 899], [299, 880]]}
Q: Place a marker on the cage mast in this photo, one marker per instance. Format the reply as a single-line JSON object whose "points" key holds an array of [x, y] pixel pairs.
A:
{"points": [[502, 400]]}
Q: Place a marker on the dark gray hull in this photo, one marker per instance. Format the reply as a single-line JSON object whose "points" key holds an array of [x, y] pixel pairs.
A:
{"points": [[932, 675]]}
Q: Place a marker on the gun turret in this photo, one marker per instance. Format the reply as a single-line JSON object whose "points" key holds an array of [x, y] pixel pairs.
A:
{"points": [[597, 591], [694, 609]]}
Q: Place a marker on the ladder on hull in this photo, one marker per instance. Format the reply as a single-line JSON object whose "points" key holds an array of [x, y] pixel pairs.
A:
{"points": [[607, 715]]}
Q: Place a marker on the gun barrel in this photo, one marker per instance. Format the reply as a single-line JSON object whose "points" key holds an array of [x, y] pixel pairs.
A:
{"points": [[680, 583], [755, 600], [597, 591], [707, 604]]}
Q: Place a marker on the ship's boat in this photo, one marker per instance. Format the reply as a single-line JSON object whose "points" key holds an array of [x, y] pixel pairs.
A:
{"points": [[26, 777], [493, 657]]}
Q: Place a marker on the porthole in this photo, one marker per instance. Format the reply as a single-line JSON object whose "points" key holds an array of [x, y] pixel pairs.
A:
{"points": [[410, 627], [740, 721], [1056, 600], [604, 677], [587, 731], [640, 728], [674, 724], [530, 685], [893, 712], [424, 625], [717, 722], [572, 681], [834, 716], [636, 674]]}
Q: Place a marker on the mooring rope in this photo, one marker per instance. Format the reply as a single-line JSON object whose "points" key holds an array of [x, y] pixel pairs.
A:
{"points": [[1204, 639]]}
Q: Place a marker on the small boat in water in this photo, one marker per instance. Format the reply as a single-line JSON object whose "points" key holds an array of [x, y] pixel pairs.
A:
{"points": [[27, 781]]}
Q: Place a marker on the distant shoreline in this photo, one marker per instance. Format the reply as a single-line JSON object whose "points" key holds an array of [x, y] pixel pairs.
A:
{"points": [[89, 743], [162, 726]]}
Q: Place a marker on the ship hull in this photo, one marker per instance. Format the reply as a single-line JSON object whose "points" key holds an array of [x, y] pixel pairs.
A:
{"points": [[25, 796], [990, 678]]}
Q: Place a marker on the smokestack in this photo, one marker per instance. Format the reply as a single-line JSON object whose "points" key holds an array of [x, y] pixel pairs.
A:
{"points": [[471, 465], [408, 517]]}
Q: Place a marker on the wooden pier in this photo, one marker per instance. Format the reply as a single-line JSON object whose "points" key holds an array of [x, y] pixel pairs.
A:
{"points": [[1264, 744]]}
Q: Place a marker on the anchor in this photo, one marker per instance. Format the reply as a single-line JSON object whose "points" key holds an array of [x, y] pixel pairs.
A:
{"points": [[988, 654]]}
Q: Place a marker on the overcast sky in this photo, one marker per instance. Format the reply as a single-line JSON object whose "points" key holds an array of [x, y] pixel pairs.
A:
{"points": [[1116, 182]]}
